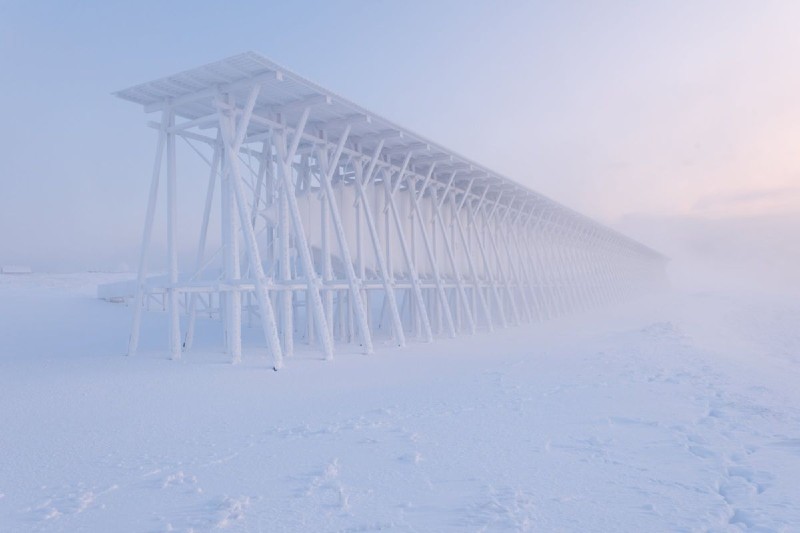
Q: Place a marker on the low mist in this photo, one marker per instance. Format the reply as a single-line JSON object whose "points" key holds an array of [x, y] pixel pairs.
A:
{"points": [[743, 253]]}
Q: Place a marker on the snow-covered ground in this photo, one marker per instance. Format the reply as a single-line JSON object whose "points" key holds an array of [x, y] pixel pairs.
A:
{"points": [[678, 414]]}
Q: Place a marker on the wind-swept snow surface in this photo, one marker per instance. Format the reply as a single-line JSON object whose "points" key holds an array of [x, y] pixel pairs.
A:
{"points": [[683, 414]]}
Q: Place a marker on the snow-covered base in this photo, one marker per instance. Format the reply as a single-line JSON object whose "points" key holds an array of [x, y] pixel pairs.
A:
{"points": [[682, 414]]}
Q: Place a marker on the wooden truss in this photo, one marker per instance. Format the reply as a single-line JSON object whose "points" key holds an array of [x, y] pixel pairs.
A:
{"points": [[349, 229]]}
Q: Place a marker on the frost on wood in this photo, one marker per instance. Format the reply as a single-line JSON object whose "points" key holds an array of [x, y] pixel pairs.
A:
{"points": [[340, 226]]}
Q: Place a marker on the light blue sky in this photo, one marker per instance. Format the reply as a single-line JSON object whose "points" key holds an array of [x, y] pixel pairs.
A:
{"points": [[622, 110]]}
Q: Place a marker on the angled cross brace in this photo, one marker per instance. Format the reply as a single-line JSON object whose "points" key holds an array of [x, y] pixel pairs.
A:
{"points": [[412, 269], [285, 156], [397, 323], [230, 136], [327, 172], [500, 270], [443, 300], [473, 271], [449, 249], [491, 278]]}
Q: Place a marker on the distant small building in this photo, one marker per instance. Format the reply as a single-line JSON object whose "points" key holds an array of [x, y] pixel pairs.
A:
{"points": [[15, 269]]}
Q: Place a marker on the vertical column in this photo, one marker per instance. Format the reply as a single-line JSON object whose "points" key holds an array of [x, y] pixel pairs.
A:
{"points": [[286, 307], [233, 136], [327, 266], [232, 269], [172, 243], [201, 246], [133, 341]]}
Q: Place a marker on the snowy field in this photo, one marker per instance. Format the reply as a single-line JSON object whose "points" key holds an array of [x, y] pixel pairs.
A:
{"points": [[681, 414]]}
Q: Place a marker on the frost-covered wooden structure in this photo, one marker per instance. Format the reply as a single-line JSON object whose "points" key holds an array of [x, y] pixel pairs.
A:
{"points": [[338, 225]]}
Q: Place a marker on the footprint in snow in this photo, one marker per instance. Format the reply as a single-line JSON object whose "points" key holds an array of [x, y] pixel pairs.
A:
{"points": [[506, 509], [326, 487], [625, 421], [76, 501], [411, 458], [702, 452], [790, 445], [217, 513], [229, 511], [760, 480], [180, 479]]}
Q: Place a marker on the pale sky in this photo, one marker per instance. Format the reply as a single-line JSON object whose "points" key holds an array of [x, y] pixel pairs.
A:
{"points": [[621, 110]]}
